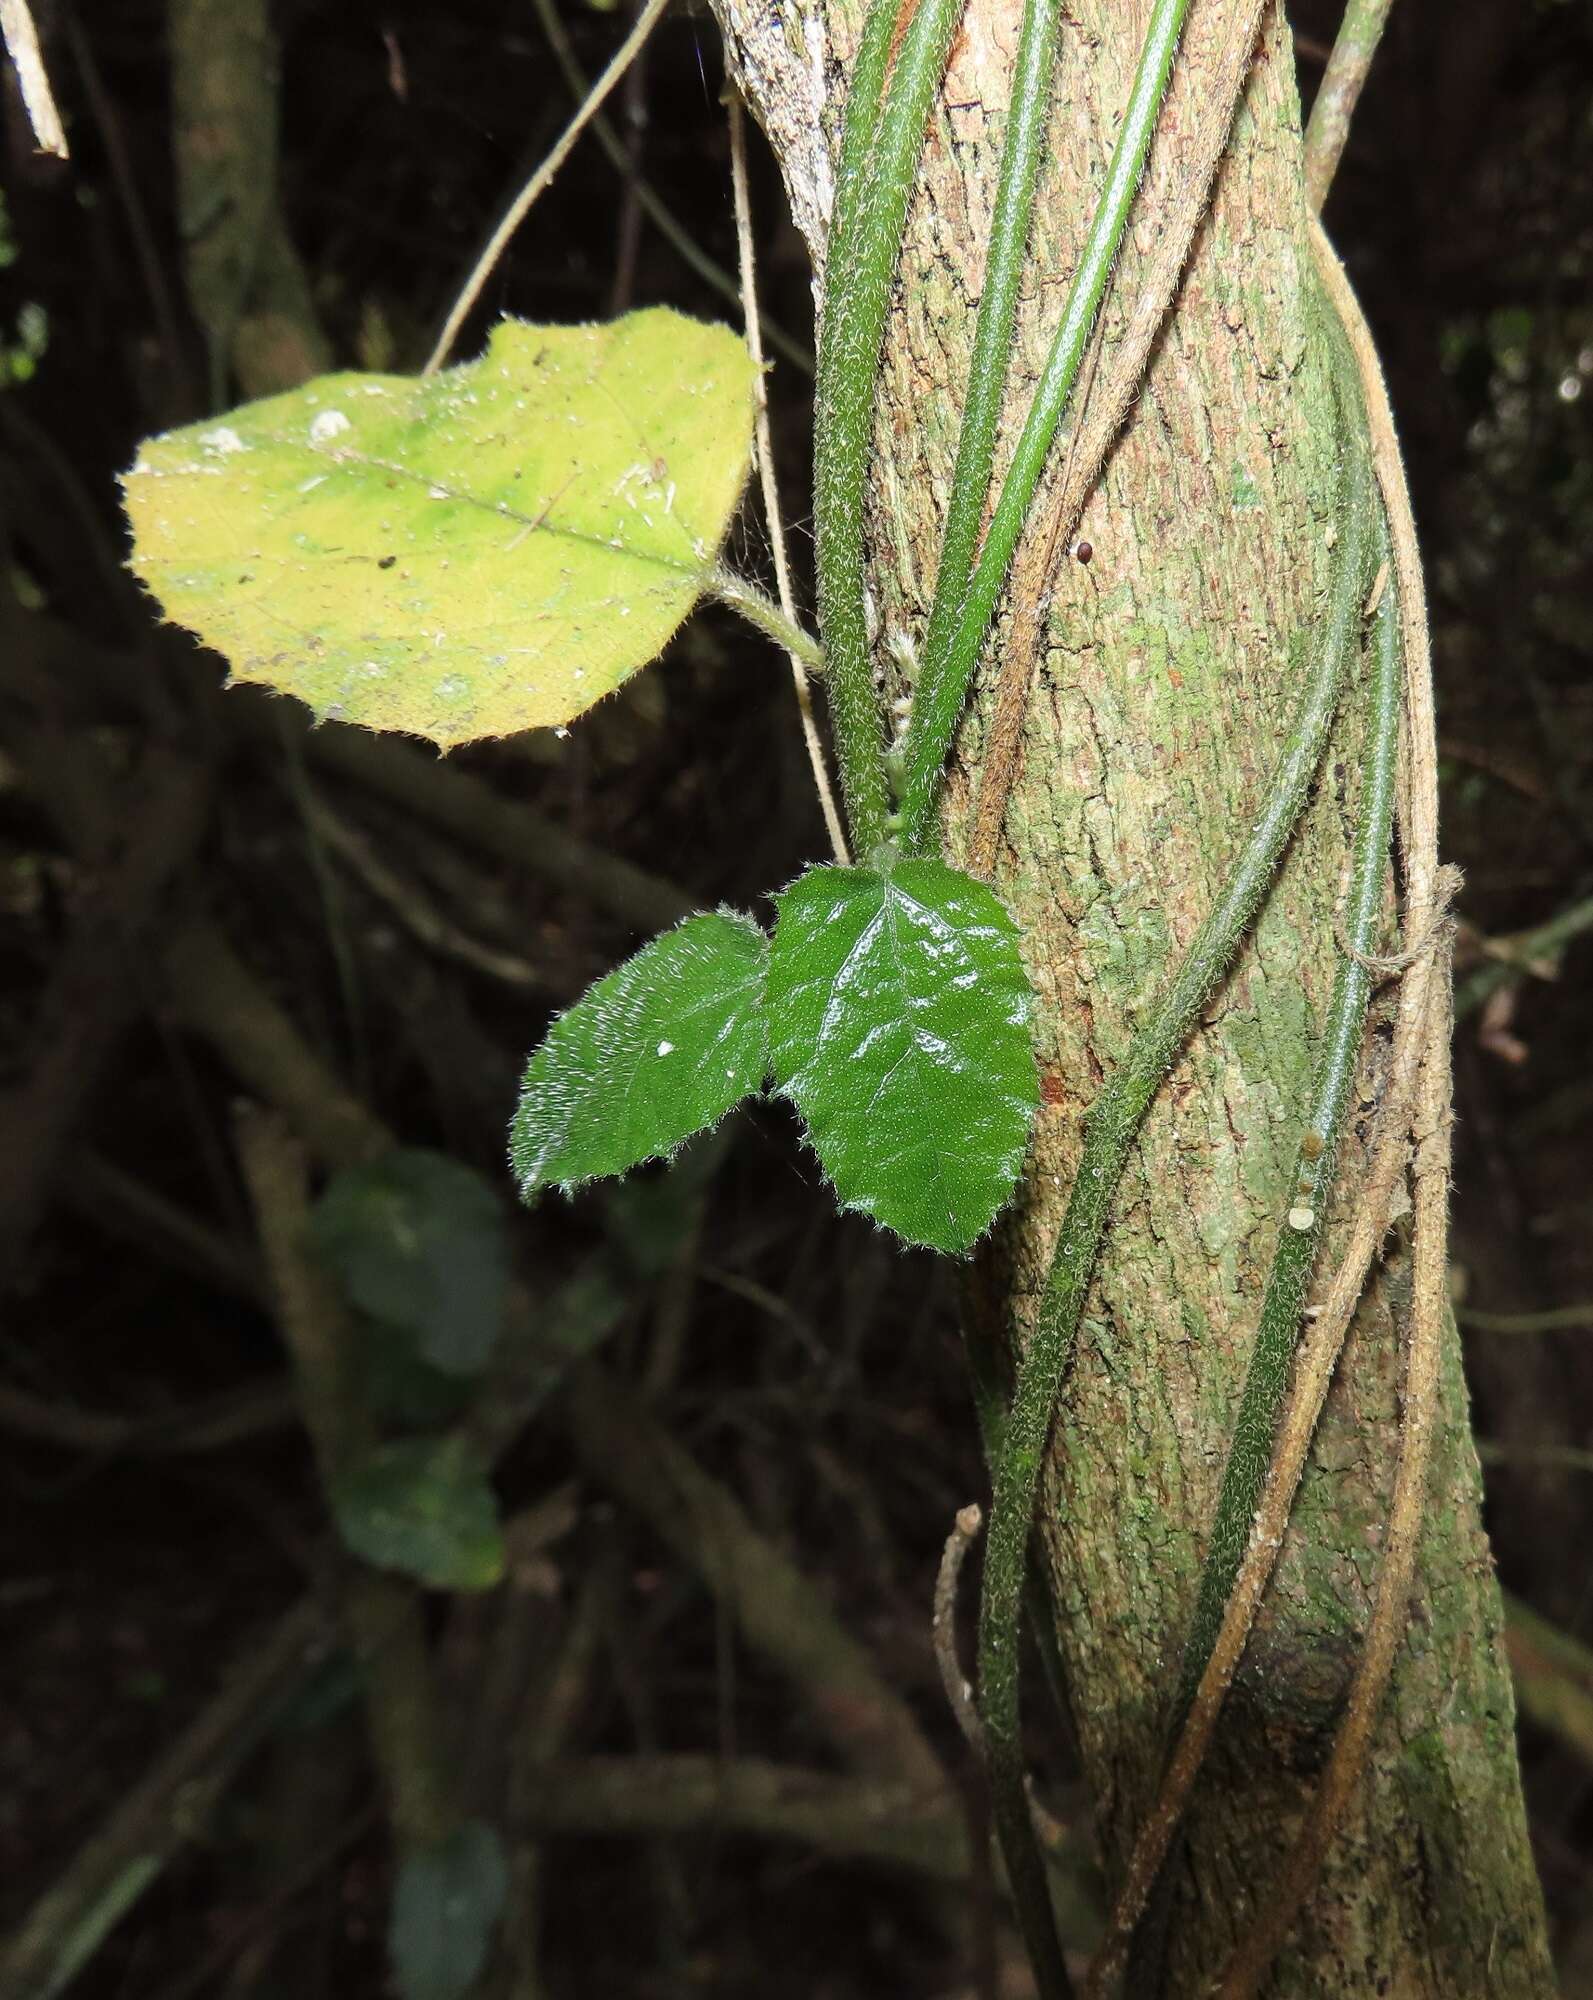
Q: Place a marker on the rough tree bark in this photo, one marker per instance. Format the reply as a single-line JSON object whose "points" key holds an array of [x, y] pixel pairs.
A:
{"points": [[1171, 668]]}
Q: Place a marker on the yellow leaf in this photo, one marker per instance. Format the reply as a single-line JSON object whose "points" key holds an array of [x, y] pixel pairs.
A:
{"points": [[491, 549]]}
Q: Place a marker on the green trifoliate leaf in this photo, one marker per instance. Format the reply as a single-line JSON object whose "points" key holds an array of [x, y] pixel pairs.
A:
{"points": [[653, 1053], [420, 1243], [488, 550], [899, 1027], [446, 1904], [423, 1506]]}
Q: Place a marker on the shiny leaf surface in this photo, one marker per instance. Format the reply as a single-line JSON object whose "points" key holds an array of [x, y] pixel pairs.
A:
{"points": [[899, 1027], [653, 1053]]}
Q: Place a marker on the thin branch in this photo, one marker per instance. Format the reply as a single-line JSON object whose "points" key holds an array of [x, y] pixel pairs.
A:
{"points": [[766, 480], [145, 253], [383, 1614], [413, 908], [662, 217], [92, 995], [1553, 1675], [446, 795], [212, 992], [523, 202], [1528, 955], [1049, 1831], [858, 1818], [166, 1809], [1339, 92], [780, 1613], [1557, 1319], [212, 1425]]}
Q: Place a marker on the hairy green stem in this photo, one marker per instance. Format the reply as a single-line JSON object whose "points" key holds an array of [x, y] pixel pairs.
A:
{"points": [[951, 649], [1021, 153], [879, 163], [1284, 1299], [1109, 1132], [749, 602]]}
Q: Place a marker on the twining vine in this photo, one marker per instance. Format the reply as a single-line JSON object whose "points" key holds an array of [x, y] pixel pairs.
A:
{"points": [[889, 1004]]}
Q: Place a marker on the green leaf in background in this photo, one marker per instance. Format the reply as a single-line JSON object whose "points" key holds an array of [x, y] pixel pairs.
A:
{"points": [[490, 549], [446, 1904], [662, 1047], [423, 1506], [899, 1027], [420, 1242]]}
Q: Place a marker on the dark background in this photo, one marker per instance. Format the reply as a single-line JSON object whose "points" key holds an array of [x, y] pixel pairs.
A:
{"points": [[803, 1361]]}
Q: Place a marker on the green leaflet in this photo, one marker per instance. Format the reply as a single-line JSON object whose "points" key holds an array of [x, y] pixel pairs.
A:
{"points": [[419, 1242], [447, 1901], [899, 1027], [653, 1053], [423, 1506], [487, 550]]}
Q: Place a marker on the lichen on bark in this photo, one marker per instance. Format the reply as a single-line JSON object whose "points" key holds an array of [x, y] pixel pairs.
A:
{"points": [[1169, 672]]}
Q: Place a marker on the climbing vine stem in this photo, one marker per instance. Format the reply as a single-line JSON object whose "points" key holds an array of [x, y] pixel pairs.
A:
{"points": [[1109, 1132], [1339, 92], [1429, 1307], [1021, 153], [951, 650], [1101, 417], [880, 146], [1295, 1257], [1425, 893]]}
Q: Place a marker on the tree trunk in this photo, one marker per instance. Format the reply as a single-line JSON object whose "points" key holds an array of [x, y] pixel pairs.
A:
{"points": [[1170, 672]]}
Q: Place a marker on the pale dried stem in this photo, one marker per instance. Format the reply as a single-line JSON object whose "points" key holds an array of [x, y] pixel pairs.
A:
{"points": [[1339, 92], [1048, 1829], [943, 1626], [765, 456], [22, 45], [536, 186]]}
